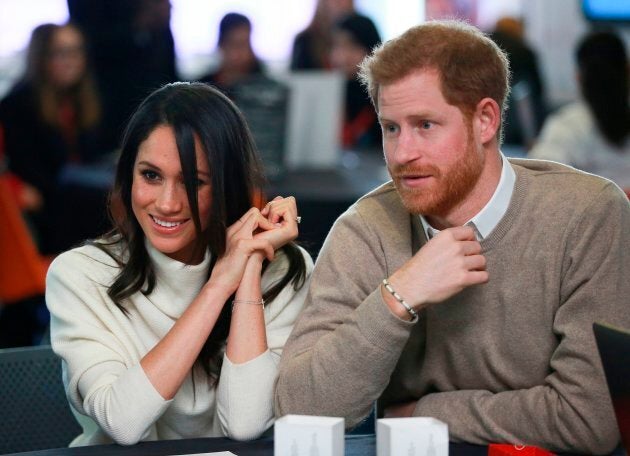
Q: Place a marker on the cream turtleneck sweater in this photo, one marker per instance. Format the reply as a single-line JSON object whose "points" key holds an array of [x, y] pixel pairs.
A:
{"points": [[101, 349]]}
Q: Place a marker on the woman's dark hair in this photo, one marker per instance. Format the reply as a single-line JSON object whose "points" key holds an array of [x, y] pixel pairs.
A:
{"points": [[193, 111], [84, 94], [603, 68], [361, 29]]}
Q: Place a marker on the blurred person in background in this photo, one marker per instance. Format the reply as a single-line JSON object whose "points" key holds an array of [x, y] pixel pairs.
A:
{"points": [[133, 51], [354, 37], [51, 117], [592, 134], [526, 102], [311, 47], [238, 61]]}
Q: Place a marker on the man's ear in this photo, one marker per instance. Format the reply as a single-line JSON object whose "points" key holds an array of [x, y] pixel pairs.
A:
{"points": [[487, 120]]}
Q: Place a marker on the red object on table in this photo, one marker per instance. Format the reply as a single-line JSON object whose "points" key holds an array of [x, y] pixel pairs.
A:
{"points": [[504, 449]]}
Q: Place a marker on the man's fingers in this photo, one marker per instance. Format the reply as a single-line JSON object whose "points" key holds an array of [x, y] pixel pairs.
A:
{"points": [[461, 233], [471, 247], [475, 263], [476, 277]]}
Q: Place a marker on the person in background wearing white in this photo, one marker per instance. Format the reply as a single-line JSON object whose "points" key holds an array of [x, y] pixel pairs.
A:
{"points": [[172, 325], [593, 134]]}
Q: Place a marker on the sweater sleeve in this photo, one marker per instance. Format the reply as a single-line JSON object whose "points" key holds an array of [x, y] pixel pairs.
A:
{"points": [[102, 374], [571, 411], [346, 343], [245, 391]]}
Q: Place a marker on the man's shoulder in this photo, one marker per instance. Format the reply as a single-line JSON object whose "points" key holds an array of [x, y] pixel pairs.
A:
{"points": [[384, 196], [563, 184], [380, 213]]}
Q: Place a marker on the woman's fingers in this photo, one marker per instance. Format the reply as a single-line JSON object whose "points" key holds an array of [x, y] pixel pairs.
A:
{"points": [[248, 223], [281, 210], [264, 246], [265, 210]]}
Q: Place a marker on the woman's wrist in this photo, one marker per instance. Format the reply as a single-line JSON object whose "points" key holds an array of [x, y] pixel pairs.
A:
{"points": [[254, 263], [216, 291]]}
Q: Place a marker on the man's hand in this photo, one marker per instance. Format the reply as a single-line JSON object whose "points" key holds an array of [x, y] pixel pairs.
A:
{"points": [[447, 264], [402, 410]]}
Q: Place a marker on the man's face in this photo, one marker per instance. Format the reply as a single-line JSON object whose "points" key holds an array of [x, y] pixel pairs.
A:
{"points": [[429, 145]]}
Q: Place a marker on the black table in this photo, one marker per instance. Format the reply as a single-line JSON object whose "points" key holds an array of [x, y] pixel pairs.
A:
{"points": [[359, 445], [356, 445]]}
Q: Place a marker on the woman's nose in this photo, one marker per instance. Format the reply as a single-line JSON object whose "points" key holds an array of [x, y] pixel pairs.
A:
{"points": [[171, 199]]}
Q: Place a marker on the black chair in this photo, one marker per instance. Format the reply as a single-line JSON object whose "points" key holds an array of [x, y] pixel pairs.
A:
{"points": [[614, 350], [34, 411]]}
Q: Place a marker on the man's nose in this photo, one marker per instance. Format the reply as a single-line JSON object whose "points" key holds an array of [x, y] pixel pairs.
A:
{"points": [[408, 146]]}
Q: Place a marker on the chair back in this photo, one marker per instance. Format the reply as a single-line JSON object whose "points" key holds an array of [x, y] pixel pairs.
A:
{"points": [[614, 350], [34, 411]]}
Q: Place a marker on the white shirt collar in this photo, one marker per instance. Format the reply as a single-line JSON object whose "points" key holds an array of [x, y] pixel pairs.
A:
{"points": [[487, 218]]}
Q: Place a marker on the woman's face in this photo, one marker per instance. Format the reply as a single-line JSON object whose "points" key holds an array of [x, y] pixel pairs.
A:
{"points": [[159, 200], [346, 54], [66, 58]]}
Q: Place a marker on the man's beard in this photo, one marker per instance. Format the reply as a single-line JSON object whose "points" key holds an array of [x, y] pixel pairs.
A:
{"points": [[450, 187]]}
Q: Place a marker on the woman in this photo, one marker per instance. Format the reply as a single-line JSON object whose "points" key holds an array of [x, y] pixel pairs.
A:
{"points": [[354, 37], [50, 118], [593, 134], [161, 324], [311, 47]]}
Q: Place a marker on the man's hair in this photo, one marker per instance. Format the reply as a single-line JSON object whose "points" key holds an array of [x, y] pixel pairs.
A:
{"points": [[470, 65]]}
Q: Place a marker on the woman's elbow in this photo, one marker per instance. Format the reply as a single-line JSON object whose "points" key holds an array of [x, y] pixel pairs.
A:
{"points": [[247, 431], [124, 437]]}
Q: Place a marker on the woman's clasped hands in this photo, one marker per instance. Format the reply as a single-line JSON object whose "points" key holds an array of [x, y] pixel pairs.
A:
{"points": [[256, 235]]}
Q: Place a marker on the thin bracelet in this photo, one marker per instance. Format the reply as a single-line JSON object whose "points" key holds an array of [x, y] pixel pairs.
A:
{"points": [[410, 310], [244, 301]]}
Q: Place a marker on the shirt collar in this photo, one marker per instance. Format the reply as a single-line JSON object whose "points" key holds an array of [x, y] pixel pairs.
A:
{"points": [[487, 218]]}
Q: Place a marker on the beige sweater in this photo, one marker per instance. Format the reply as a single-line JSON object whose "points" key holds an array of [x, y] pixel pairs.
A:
{"points": [[513, 360]]}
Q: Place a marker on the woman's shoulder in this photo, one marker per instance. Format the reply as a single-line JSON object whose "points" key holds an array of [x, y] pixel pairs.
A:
{"points": [[98, 259]]}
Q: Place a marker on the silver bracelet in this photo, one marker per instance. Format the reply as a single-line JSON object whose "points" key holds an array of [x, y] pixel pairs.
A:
{"points": [[410, 310], [261, 302]]}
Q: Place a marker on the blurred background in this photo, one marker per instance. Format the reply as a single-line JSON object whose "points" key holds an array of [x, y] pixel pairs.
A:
{"points": [[72, 71]]}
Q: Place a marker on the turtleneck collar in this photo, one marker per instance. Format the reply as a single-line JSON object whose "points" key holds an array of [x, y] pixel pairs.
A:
{"points": [[177, 283]]}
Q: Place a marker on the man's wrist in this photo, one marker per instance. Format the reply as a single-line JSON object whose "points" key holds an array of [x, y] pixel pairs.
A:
{"points": [[396, 303]]}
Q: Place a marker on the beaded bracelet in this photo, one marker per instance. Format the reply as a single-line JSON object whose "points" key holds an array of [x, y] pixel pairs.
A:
{"points": [[244, 301], [410, 310]]}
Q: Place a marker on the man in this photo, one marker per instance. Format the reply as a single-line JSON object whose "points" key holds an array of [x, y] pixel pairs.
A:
{"points": [[506, 263]]}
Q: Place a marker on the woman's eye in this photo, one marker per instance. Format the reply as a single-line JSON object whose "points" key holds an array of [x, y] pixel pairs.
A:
{"points": [[149, 175]]}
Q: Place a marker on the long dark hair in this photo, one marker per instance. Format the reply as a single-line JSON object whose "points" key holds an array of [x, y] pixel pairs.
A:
{"points": [[192, 110], [603, 68]]}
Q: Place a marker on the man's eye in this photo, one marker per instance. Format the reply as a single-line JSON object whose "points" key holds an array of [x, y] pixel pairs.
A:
{"points": [[390, 128], [426, 125]]}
